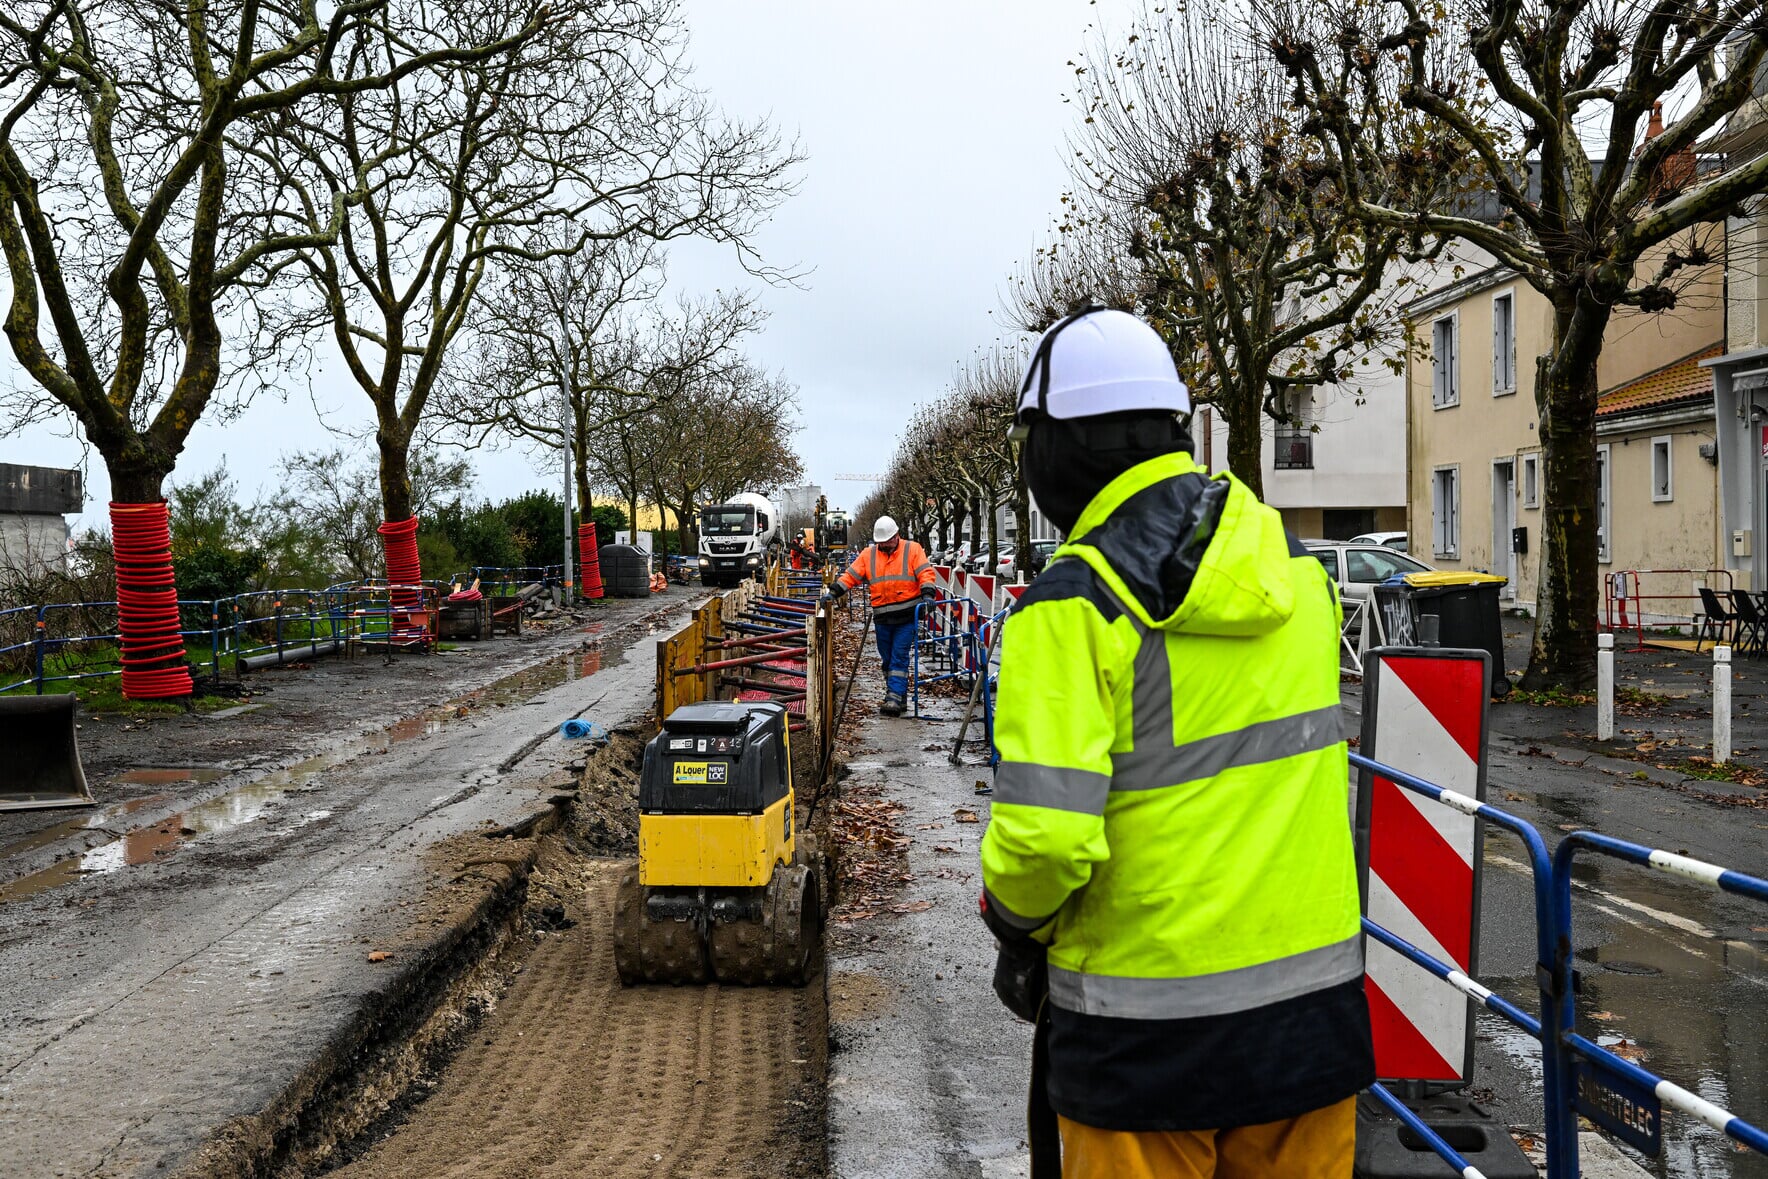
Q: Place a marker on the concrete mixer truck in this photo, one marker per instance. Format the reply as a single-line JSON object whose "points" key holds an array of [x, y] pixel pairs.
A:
{"points": [[738, 539]]}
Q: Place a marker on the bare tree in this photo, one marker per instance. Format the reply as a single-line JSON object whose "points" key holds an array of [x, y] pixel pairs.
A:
{"points": [[136, 222], [590, 132], [1192, 168], [1594, 214]]}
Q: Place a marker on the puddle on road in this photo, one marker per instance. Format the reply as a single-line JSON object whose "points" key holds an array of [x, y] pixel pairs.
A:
{"points": [[248, 803]]}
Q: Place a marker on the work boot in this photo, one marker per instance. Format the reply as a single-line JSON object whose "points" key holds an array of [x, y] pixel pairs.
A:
{"points": [[893, 704]]}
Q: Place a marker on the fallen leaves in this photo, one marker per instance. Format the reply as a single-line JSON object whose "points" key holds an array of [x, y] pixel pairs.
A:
{"points": [[966, 815], [912, 907], [379, 956]]}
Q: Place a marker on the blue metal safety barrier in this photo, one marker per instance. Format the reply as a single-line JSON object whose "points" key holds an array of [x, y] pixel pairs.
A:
{"points": [[66, 642], [1578, 1076]]}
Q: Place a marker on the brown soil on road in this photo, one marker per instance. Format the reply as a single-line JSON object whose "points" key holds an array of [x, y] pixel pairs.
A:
{"points": [[574, 1075]]}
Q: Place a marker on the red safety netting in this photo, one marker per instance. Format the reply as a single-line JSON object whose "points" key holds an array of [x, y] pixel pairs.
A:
{"points": [[147, 603], [589, 561], [404, 573]]}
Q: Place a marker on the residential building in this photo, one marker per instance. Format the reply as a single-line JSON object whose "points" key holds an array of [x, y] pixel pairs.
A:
{"points": [[34, 505], [1740, 375], [1338, 469], [1475, 490]]}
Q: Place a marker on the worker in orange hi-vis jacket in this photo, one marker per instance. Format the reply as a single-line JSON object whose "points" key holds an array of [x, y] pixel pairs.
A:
{"points": [[898, 574]]}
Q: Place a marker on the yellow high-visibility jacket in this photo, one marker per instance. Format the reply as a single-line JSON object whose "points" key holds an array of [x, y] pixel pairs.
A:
{"points": [[1171, 812]]}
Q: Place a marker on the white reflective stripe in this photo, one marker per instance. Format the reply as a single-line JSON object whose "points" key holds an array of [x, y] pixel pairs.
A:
{"points": [[1460, 802], [1690, 1103], [1687, 867], [1222, 993], [1473, 1173], [1467, 986]]}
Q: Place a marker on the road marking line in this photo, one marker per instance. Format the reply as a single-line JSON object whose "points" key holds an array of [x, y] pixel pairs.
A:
{"points": [[1671, 919]]}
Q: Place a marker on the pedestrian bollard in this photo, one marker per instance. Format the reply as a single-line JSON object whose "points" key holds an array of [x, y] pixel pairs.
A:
{"points": [[1605, 687], [1721, 705]]}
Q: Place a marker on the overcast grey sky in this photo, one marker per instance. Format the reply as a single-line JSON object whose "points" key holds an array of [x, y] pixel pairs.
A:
{"points": [[934, 133]]}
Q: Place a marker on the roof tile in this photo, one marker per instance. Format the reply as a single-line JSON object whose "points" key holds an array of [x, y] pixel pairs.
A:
{"points": [[1673, 384]]}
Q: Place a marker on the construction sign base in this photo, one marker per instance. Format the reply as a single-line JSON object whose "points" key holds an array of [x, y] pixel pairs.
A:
{"points": [[1425, 714], [1388, 1149]]}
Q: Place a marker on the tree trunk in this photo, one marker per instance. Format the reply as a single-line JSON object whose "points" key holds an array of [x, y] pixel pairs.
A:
{"points": [[1022, 514], [1563, 654], [994, 544], [396, 496], [136, 480], [1244, 414], [580, 456]]}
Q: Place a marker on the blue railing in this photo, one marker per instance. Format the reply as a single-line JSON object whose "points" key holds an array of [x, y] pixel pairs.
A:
{"points": [[35, 649], [1625, 1098]]}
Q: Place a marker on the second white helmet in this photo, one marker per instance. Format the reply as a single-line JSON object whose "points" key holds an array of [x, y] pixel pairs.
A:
{"points": [[883, 530]]}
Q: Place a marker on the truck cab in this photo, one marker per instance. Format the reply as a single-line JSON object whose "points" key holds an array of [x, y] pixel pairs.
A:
{"points": [[737, 539]]}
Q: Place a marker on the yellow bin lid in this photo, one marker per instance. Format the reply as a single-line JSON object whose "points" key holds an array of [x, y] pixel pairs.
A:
{"points": [[1441, 577]]}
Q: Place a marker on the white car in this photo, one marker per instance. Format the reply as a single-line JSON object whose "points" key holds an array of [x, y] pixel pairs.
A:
{"points": [[1358, 566], [1392, 540]]}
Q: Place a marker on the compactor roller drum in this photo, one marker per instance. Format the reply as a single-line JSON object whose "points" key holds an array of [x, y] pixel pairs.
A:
{"points": [[724, 889]]}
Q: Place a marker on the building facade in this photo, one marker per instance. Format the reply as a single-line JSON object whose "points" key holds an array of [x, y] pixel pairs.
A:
{"points": [[34, 505], [1475, 488]]}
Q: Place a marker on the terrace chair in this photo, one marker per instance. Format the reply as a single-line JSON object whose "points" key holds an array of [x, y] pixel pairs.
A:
{"points": [[1748, 628], [1717, 621]]}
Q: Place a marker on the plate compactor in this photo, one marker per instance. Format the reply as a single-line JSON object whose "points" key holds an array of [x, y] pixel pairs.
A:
{"points": [[725, 890]]}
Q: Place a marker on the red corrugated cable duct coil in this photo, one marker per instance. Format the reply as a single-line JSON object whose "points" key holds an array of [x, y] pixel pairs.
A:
{"points": [[404, 573], [589, 561], [147, 603]]}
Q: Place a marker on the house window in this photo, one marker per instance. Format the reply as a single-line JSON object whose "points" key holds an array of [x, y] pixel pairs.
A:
{"points": [[1602, 505], [1662, 478], [1504, 344], [1531, 480], [1445, 376], [1445, 511]]}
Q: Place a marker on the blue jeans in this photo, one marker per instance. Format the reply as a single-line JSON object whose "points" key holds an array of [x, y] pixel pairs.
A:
{"points": [[896, 647]]}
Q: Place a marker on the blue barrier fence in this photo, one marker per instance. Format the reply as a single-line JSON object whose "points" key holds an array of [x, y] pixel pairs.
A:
{"points": [[1578, 1076], [954, 640], [67, 642]]}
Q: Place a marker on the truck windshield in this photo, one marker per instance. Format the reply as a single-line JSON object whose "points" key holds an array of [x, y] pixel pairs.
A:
{"points": [[738, 521]]}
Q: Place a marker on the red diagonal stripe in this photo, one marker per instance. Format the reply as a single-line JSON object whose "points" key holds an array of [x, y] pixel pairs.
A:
{"points": [[1401, 1051], [1452, 690], [1426, 874]]}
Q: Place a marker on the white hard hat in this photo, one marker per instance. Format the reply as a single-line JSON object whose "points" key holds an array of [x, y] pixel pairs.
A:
{"points": [[1101, 361], [883, 530]]}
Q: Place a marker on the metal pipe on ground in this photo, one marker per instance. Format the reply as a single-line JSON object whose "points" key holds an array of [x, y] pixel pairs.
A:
{"points": [[740, 661], [308, 650]]}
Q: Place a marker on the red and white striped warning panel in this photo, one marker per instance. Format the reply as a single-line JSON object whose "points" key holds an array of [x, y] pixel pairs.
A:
{"points": [[981, 588], [1424, 712]]}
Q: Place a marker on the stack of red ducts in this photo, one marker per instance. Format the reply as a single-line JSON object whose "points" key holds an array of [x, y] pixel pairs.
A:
{"points": [[404, 573], [147, 603], [589, 560]]}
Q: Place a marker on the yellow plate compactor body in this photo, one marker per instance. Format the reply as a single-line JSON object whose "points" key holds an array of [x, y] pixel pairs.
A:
{"points": [[724, 889]]}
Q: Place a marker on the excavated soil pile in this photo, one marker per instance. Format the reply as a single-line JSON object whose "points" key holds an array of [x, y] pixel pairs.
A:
{"points": [[605, 815], [574, 1075]]}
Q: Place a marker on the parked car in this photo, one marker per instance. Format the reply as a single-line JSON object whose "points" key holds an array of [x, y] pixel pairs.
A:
{"points": [[1004, 564], [1357, 566], [1392, 540], [1039, 557]]}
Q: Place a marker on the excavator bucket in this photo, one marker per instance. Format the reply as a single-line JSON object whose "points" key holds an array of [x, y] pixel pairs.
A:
{"points": [[40, 767]]}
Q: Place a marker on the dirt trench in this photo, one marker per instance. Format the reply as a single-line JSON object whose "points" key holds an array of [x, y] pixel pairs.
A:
{"points": [[571, 1074]]}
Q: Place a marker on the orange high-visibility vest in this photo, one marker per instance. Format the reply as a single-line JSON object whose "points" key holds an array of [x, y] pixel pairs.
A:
{"points": [[894, 578]]}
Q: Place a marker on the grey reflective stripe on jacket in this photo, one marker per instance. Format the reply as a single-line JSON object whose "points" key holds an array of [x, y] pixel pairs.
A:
{"points": [[1209, 994], [1158, 759], [1056, 787]]}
